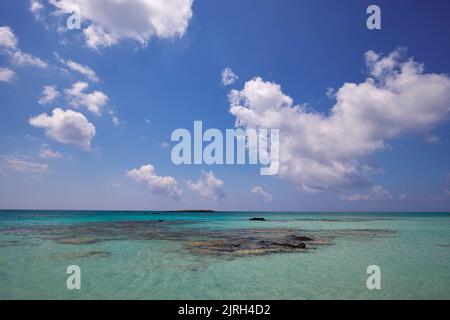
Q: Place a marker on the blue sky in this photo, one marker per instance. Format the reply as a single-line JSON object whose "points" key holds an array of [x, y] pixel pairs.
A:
{"points": [[161, 70]]}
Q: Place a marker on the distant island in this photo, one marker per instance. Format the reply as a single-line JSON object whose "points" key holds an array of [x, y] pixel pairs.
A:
{"points": [[191, 211]]}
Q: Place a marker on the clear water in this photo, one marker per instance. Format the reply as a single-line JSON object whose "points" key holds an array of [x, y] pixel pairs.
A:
{"points": [[414, 260]]}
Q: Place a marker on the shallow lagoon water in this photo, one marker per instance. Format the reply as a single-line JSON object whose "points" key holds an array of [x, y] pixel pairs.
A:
{"points": [[128, 263]]}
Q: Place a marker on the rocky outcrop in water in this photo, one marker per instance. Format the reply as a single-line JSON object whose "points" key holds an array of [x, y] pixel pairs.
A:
{"points": [[256, 243], [231, 242]]}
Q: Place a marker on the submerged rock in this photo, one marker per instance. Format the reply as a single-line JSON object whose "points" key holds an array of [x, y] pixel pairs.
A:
{"points": [[443, 245], [254, 243], [77, 240], [76, 255], [301, 238]]}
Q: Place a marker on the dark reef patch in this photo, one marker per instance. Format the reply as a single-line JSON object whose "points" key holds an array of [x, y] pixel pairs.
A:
{"points": [[196, 240], [86, 254]]}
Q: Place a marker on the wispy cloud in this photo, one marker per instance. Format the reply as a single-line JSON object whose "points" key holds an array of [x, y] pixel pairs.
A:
{"points": [[9, 47], [228, 77], [37, 8], [260, 191], [82, 69], [377, 192], [47, 153], [17, 164]]}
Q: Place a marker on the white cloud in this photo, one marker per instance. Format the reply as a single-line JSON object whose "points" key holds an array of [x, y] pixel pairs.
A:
{"points": [[114, 184], [381, 193], [160, 185], [164, 145], [355, 197], [24, 59], [8, 46], [330, 151], [208, 186], [68, 127], [147, 121], [6, 75], [115, 120], [7, 38], [111, 21], [260, 191], [433, 139], [330, 93], [16, 164], [377, 192], [47, 153], [228, 77], [49, 94], [36, 8], [96, 37], [402, 196], [84, 70], [93, 101]]}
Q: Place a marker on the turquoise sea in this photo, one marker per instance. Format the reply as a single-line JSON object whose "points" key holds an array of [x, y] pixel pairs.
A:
{"points": [[223, 255]]}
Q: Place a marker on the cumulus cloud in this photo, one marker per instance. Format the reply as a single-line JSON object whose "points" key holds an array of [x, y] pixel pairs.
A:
{"points": [[166, 186], [208, 186], [49, 94], [9, 47], [17, 164], [94, 101], [47, 153], [260, 191], [111, 21], [82, 69], [228, 77], [68, 127], [334, 150], [6, 75]]}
